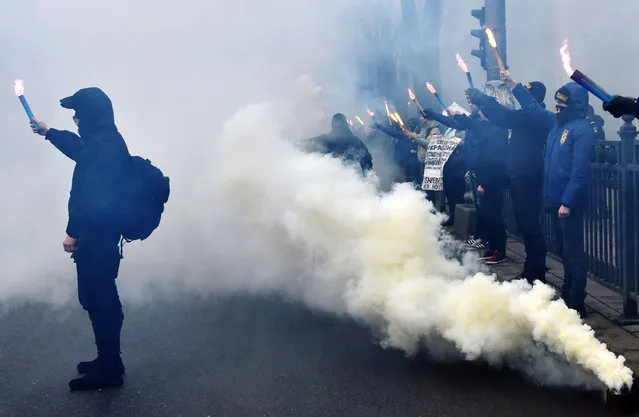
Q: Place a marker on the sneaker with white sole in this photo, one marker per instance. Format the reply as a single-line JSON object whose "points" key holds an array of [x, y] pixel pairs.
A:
{"points": [[497, 258]]}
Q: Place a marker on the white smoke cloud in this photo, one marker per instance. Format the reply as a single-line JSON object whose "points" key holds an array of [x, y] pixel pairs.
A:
{"points": [[210, 91]]}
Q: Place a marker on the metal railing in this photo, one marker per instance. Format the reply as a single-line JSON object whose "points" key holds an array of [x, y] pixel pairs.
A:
{"points": [[611, 235]]}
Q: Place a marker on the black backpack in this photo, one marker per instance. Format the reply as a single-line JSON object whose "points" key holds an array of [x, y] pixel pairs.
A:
{"points": [[145, 191]]}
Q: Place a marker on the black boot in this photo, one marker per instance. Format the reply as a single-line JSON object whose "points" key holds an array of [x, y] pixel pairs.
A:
{"points": [[106, 374], [91, 366]]}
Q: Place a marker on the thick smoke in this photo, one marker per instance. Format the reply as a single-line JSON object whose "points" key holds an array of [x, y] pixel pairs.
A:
{"points": [[211, 92]]}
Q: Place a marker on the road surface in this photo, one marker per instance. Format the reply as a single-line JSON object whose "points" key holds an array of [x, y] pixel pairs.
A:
{"points": [[252, 357]]}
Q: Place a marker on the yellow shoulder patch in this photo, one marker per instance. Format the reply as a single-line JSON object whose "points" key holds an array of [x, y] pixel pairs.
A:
{"points": [[564, 136]]}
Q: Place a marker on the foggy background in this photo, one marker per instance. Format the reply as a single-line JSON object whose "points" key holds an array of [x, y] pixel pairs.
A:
{"points": [[177, 70]]}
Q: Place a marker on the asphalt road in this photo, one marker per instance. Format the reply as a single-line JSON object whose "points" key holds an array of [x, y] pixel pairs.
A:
{"points": [[252, 357]]}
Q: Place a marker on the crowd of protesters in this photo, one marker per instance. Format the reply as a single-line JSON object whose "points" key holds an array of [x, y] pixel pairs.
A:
{"points": [[542, 156]]}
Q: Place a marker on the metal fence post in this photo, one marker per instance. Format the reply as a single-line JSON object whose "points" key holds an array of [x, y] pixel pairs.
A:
{"points": [[628, 134]]}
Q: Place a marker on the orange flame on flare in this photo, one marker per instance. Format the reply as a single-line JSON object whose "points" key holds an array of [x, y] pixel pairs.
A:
{"points": [[398, 119], [411, 94], [359, 120], [350, 122], [462, 63], [19, 87], [491, 37], [431, 88], [565, 58], [371, 113]]}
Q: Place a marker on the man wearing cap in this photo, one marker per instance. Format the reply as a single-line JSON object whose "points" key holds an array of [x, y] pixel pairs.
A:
{"points": [[570, 148], [526, 169], [93, 232]]}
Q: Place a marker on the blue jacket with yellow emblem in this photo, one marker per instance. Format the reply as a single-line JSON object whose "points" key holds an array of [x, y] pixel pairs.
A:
{"points": [[569, 148]]}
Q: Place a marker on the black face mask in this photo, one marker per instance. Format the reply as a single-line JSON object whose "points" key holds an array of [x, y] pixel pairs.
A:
{"points": [[565, 114]]}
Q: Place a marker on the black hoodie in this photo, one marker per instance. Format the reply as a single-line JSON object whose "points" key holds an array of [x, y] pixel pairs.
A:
{"points": [[100, 156]]}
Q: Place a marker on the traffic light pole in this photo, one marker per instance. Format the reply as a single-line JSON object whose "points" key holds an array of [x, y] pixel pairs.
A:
{"points": [[496, 20], [492, 15]]}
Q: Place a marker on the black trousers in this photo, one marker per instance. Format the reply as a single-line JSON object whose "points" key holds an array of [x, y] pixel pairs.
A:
{"points": [[569, 245], [492, 205], [97, 262], [527, 194], [454, 188], [415, 174]]}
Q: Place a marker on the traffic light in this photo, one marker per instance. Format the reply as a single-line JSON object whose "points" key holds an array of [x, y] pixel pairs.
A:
{"points": [[480, 14]]}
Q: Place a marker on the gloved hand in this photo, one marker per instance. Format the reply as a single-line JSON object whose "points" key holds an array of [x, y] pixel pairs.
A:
{"points": [[474, 96], [460, 118], [429, 113], [620, 106]]}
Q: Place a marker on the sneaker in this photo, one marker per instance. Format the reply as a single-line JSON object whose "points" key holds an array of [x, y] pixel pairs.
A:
{"points": [[470, 241], [497, 258]]}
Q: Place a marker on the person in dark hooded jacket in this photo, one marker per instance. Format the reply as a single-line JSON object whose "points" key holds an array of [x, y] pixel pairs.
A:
{"points": [[569, 152], [93, 230], [526, 166], [491, 174], [341, 143], [406, 151]]}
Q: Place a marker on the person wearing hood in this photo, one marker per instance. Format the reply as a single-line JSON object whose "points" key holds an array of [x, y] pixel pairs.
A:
{"points": [[597, 123], [569, 152], [490, 143], [405, 151], [341, 143], [526, 169], [93, 230]]}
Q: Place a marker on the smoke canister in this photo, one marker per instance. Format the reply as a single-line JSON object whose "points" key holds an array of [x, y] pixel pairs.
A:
{"points": [[624, 401]]}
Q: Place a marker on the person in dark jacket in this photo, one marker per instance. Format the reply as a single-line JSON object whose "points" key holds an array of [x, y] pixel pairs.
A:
{"points": [[405, 151], [597, 124], [526, 168], [569, 152], [491, 175], [341, 143], [93, 231]]}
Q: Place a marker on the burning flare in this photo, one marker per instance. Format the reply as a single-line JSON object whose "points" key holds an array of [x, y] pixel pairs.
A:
{"points": [[399, 119], [431, 88], [371, 113], [462, 63], [19, 87], [359, 120], [565, 59], [411, 95], [491, 37]]}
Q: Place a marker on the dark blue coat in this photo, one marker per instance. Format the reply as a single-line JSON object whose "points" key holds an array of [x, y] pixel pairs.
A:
{"points": [[405, 149], [528, 138], [488, 147], [100, 156], [569, 150], [344, 146]]}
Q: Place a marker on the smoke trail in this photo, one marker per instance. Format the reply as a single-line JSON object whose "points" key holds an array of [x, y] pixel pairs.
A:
{"points": [[325, 236]]}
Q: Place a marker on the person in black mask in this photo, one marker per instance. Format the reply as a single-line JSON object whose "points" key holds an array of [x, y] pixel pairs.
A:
{"points": [[570, 148], [526, 168], [93, 230], [341, 143]]}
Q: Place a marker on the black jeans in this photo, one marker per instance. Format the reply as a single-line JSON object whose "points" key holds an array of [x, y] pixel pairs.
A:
{"points": [[527, 194], [454, 188], [569, 245], [492, 205], [97, 262]]}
